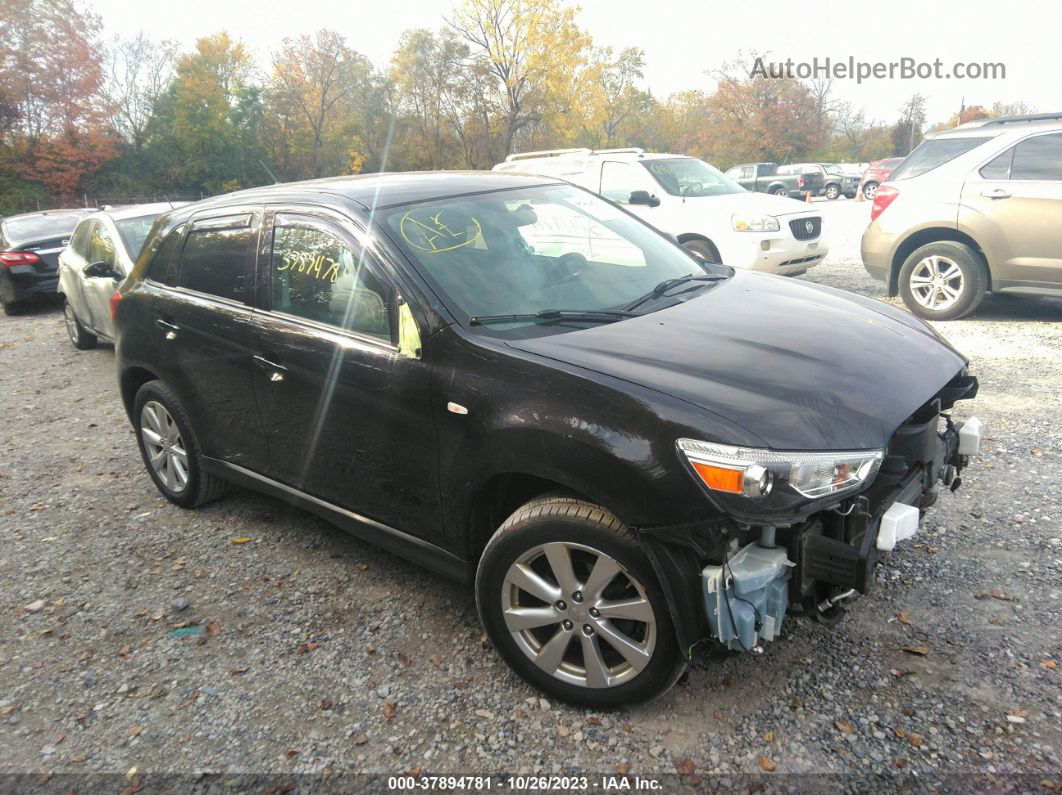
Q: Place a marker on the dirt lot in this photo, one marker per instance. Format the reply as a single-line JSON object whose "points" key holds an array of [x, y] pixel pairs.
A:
{"points": [[321, 653]]}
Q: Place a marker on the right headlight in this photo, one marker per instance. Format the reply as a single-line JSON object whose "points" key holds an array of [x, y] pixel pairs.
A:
{"points": [[752, 472], [754, 223]]}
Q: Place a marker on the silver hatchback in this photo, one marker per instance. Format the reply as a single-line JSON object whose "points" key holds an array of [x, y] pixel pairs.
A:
{"points": [[101, 254], [971, 210]]}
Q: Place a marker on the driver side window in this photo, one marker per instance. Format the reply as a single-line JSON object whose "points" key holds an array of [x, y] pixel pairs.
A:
{"points": [[619, 180], [101, 247]]}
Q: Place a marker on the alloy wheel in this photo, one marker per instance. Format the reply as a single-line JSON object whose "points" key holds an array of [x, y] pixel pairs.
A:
{"points": [[937, 283], [166, 452], [579, 615]]}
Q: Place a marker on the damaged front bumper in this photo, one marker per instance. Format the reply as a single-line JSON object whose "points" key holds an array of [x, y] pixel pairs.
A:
{"points": [[748, 577]]}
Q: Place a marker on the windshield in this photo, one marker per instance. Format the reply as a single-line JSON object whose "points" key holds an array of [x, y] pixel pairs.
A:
{"points": [[932, 153], [534, 250], [134, 232], [39, 227], [687, 176]]}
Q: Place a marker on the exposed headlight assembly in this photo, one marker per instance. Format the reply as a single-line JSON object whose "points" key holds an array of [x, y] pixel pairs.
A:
{"points": [[754, 223], [752, 473]]}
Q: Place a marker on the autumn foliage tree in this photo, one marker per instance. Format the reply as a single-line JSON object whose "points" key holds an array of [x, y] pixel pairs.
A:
{"points": [[53, 120]]}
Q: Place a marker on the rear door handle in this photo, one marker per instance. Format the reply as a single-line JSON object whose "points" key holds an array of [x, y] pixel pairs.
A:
{"points": [[170, 328], [278, 371], [998, 193]]}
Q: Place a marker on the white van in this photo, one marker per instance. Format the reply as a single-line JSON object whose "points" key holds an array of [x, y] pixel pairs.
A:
{"points": [[709, 213]]}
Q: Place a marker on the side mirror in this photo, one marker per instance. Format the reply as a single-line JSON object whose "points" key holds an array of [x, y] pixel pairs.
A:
{"points": [[101, 270], [643, 197]]}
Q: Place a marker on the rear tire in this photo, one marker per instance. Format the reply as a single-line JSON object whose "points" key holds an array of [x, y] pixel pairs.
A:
{"points": [[870, 190], [943, 280], [12, 308], [605, 602], [79, 337], [780, 192], [832, 192], [704, 250], [170, 449]]}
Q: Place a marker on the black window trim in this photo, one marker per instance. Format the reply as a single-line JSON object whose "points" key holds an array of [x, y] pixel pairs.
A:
{"points": [[263, 302], [218, 219], [1012, 147]]}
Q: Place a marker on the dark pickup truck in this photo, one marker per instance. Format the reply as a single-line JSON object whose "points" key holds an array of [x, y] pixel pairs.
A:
{"points": [[765, 178]]}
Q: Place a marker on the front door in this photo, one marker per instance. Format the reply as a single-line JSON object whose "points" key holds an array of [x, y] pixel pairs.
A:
{"points": [[205, 336], [99, 289], [1013, 208], [347, 415]]}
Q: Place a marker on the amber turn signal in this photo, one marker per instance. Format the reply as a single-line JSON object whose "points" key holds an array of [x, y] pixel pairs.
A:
{"points": [[720, 478]]}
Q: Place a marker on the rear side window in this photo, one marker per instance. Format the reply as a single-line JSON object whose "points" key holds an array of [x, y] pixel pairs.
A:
{"points": [[933, 153], [214, 258], [1038, 158], [163, 267], [316, 273]]}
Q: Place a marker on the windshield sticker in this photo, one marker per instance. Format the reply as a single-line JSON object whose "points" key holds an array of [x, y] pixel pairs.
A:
{"points": [[434, 230]]}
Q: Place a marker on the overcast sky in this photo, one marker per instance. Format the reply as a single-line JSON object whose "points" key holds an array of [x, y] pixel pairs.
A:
{"points": [[684, 39]]}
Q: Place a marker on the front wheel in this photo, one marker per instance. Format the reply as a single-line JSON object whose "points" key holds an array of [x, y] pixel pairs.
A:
{"points": [[870, 190], [571, 603], [704, 250], [943, 281], [79, 337]]}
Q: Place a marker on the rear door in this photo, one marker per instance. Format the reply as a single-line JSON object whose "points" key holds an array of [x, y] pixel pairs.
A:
{"points": [[347, 415], [1013, 207], [205, 336]]}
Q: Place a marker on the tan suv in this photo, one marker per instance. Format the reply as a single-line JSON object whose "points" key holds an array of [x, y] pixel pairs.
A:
{"points": [[973, 209]]}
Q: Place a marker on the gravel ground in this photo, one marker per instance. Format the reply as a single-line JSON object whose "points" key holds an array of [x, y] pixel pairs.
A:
{"points": [[320, 654]]}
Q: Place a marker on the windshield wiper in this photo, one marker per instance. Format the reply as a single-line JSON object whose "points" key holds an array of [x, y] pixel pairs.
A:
{"points": [[587, 315], [667, 284]]}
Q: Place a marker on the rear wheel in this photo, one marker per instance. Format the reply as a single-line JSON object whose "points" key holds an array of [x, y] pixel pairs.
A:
{"points": [[832, 192], [780, 192], [943, 280], [870, 189], [571, 603], [170, 450], [12, 308], [81, 339]]}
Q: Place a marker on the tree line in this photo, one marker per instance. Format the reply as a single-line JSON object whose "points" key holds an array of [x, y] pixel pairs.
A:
{"points": [[137, 116]]}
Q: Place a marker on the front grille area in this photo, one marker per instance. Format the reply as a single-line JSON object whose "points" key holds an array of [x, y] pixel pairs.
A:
{"points": [[801, 230]]}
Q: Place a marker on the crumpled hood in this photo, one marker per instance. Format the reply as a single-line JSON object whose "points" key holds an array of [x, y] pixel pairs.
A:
{"points": [[799, 365]]}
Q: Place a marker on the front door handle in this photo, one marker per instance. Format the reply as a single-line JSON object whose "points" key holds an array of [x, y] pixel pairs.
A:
{"points": [[170, 328], [278, 371], [997, 193]]}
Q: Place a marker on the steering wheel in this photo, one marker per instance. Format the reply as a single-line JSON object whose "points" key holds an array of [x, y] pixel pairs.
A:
{"points": [[567, 267]]}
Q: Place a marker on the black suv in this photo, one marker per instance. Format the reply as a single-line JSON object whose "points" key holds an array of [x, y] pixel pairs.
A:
{"points": [[514, 382]]}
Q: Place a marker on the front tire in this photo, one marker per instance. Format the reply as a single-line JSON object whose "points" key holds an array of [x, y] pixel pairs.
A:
{"points": [[571, 603], [943, 280], [870, 190], [79, 337], [704, 250], [170, 450]]}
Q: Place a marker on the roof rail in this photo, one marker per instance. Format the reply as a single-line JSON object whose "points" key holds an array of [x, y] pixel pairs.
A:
{"points": [[547, 153], [633, 150], [1034, 117]]}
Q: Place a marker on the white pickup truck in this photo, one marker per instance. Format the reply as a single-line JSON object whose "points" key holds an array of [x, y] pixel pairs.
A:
{"points": [[706, 211]]}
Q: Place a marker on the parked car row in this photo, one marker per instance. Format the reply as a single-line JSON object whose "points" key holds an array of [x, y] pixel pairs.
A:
{"points": [[971, 210]]}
